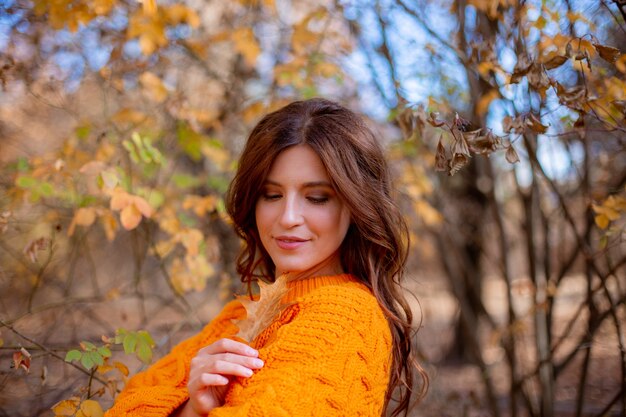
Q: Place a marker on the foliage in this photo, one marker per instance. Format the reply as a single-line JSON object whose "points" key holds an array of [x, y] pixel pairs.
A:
{"points": [[543, 84], [121, 125]]}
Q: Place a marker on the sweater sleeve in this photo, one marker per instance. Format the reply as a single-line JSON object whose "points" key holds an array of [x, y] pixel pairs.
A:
{"points": [[328, 356], [159, 390]]}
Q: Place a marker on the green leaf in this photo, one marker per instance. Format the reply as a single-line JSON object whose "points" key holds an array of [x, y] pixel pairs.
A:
{"points": [[145, 156], [73, 355], [82, 131], [190, 141], [131, 151], [144, 352], [154, 154], [87, 361], [217, 183], [22, 164], [187, 220], [309, 92], [88, 346], [130, 343], [104, 351], [46, 189], [155, 199], [185, 181], [137, 140], [96, 358], [120, 334], [145, 337], [25, 182]]}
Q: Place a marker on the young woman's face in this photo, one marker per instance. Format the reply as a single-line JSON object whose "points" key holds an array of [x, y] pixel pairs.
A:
{"points": [[300, 218]]}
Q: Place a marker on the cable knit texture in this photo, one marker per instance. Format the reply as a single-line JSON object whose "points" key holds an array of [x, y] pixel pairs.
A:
{"points": [[327, 354]]}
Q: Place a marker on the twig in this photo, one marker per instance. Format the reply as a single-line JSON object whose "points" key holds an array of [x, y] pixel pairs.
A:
{"points": [[50, 352]]}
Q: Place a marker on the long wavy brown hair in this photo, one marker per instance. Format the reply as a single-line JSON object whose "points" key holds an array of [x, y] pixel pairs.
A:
{"points": [[376, 245]]}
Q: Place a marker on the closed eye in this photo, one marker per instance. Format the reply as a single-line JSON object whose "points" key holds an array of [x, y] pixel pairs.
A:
{"points": [[318, 200], [271, 196]]}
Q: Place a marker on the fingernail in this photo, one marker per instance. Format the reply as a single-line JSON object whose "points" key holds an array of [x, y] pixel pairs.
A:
{"points": [[253, 352], [258, 363], [249, 372]]}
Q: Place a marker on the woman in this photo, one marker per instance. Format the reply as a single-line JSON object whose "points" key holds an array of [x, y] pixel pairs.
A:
{"points": [[311, 199]]}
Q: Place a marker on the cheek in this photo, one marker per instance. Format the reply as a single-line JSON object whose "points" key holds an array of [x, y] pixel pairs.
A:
{"points": [[261, 216]]}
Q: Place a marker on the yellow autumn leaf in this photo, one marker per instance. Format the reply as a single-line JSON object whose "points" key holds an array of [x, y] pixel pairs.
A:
{"points": [[602, 221], [109, 224], [261, 312], [246, 44], [149, 6], [132, 207], [121, 367], [200, 205], [102, 7], [143, 206], [191, 239], [429, 215], [191, 274], [483, 103], [66, 407], [153, 86], [103, 369], [130, 217], [302, 37], [84, 216], [620, 64], [484, 68], [168, 222], [119, 199], [164, 247], [150, 30], [179, 13], [219, 156], [326, 69], [90, 408], [607, 209], [129, 116]]}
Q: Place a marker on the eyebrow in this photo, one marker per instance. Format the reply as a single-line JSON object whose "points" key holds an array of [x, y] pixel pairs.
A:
{"points": [[306, 184]]}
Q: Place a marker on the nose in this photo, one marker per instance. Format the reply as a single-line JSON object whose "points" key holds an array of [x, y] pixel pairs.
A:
{"points": [[291, 214]]}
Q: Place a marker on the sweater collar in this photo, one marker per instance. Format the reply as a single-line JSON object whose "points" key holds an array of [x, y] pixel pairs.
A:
{"points": [[301, 287]]}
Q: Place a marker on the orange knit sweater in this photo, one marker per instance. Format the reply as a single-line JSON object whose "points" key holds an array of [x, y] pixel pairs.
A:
{"points": [[327, 354]]}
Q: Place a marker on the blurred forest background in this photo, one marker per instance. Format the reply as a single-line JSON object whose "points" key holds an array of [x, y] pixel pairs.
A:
{"points": [[504, 120]]}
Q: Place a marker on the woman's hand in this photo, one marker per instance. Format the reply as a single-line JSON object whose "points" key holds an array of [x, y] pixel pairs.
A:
{"points": [[210, 371]]}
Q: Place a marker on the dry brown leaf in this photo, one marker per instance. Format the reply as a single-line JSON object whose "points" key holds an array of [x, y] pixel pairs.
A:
{"points": [[441, 161], [521, 68], [511, 155], [261, 313], [535, 124], [34, 246], [555, 62], [484, 144], [608, 53], [432, 119], [21, 359]]}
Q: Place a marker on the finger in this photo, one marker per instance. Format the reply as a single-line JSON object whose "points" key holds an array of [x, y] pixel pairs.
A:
{"points": [[247, 361], [204, 380], [207, 380], [206, 363], [229, 345], [229, 368]]}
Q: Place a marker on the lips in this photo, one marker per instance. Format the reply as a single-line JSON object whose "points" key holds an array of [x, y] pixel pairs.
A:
{"points": [[289, 242]]}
